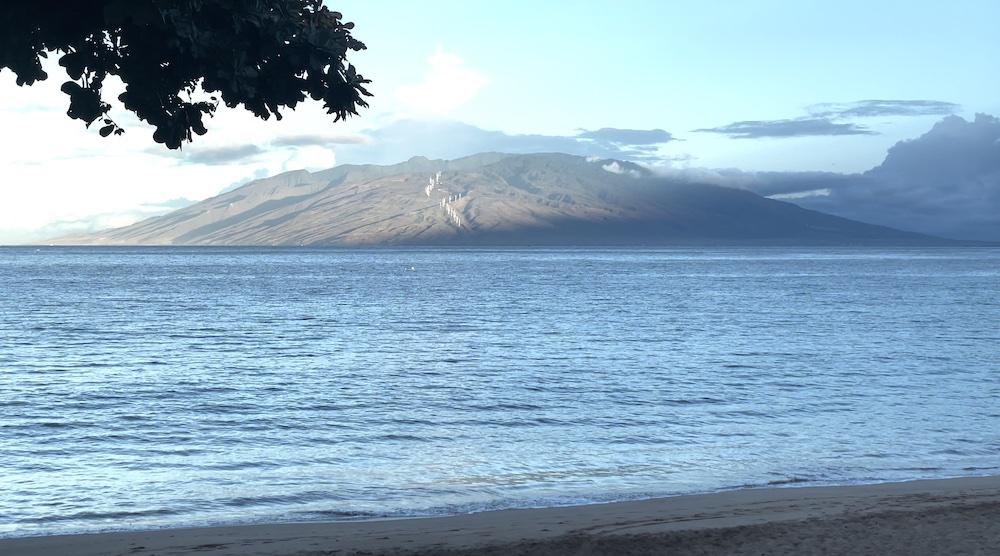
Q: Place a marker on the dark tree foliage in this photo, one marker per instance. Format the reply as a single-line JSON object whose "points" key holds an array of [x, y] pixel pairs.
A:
{"points": [[261, 54]]}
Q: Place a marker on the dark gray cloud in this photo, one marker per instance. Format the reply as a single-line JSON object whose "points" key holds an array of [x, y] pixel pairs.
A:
{"points": [[945, 182], [954, 149], [221, 155], [319, 140], [878, 108], [787, 128], [447, 139]]}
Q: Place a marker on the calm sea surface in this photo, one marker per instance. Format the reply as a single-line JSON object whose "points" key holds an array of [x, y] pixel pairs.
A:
{"points": [[145, 388]]}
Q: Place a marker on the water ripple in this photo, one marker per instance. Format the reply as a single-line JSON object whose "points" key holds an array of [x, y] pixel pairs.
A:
{"points": [[148, 387]]}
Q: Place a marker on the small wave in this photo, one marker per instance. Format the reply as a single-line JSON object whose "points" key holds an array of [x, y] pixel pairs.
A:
{"points": [[348, 515], [283, 500], [506, 407], [403, 437], [691, 401], [240, 466], [789, 481], [97, 516], [58, 425]]}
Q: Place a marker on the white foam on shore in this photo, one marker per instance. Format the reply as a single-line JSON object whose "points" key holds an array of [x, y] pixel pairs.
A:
{"points": [[12, 531]]}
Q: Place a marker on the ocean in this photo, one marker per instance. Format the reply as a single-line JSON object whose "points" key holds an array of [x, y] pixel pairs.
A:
{"points": [[144, 388]]}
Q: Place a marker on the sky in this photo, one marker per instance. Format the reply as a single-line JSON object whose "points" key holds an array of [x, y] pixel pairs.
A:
{"points": [[801, 99]]}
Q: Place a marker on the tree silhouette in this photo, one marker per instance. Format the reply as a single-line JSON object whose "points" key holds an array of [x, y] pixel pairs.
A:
{"points": [[178, 58]]}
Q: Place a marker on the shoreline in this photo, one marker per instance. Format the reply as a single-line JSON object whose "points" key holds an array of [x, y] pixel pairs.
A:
{"points": [[954, 516]]}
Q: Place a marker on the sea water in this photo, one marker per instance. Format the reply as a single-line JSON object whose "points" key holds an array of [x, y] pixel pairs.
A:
{"points": [[166, 387]]}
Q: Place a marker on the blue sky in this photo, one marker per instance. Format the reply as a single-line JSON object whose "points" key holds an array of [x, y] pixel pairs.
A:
{"points": [[763, 86]]}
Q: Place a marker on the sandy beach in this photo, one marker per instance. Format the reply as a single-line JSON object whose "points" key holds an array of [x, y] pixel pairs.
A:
{"points": [[953, 516]]}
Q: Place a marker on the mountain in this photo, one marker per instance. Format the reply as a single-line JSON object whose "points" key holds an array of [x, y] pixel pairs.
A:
{"points": [[491, 199]]}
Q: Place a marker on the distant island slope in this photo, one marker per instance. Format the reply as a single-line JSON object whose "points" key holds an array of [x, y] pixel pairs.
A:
{"points": [[493, 199]]}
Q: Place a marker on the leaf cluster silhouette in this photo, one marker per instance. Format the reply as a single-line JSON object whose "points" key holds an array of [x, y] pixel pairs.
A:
{"points": [[179, 59]]}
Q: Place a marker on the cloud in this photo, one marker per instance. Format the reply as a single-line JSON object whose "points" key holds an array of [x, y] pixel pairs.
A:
{"points": [[163, 207], [822, 119], [448, 86], [784, 184], [787, 128], [636, 144], [628, 136], [953, 149], [291, 152], [103, 221], [449, 139], [879, 108], [309, 158], [258, 174], [945, 182], [320, 140], [213, 156], [616, 168]]}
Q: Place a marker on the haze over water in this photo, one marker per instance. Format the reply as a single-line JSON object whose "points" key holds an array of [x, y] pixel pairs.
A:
{"points": [[185, 386]]}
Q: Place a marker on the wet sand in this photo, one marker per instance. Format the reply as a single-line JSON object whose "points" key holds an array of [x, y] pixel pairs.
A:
{"points": [[952, 516]]}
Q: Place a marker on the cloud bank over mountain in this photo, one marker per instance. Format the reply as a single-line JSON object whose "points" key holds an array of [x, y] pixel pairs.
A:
{"points": [[945, 182], [450, 139]]}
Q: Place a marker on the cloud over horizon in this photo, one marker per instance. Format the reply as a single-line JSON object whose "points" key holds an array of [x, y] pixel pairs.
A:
{"points": [[627, 136], [879, 108], [945, 182], [450, 139], [319, 140], [221, 155], [787, 128], [309, 151], [103, 221], [823, 119]]}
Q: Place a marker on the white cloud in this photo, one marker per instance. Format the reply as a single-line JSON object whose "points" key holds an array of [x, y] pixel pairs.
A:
{"points": [[309, 158], [448, 86], [736, 179], [616, 168], [824, 192]]}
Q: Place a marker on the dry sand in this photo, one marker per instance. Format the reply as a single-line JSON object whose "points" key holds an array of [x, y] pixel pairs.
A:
{"points": [[945, 517]]}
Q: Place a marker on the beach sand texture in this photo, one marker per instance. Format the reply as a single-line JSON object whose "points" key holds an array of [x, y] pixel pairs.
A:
{"points": [[938, 517]]}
